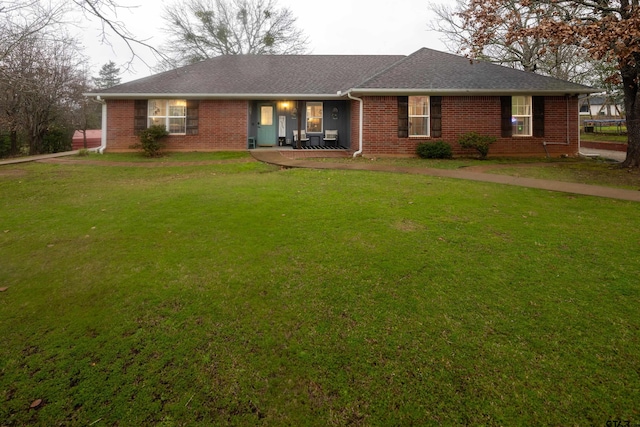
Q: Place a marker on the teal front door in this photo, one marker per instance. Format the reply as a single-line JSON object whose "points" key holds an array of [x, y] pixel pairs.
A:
{"points": [[267, 125]]}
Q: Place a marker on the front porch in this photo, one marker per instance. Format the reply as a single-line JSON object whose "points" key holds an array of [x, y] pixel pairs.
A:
{"points": [[322, 125]]}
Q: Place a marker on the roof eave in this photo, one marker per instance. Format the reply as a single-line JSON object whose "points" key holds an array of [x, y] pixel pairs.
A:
{"points": [[467, 92], [220, 96]]}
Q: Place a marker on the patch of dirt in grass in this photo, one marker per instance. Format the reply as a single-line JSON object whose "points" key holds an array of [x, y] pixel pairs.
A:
{"points": [[30, 350], [12, 173], [488, 167], [408, 226]]}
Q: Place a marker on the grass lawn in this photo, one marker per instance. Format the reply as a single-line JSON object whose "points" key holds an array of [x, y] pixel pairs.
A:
{"points": [[235, 293], [586, 171], [604, 137]]}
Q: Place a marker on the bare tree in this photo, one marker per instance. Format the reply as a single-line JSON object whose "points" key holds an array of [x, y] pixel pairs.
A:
{"points": [[20, 20], [529, 53], [48, 15], [41, 68], [38, 81], [106, 11], [608, 29], [201, 29]]}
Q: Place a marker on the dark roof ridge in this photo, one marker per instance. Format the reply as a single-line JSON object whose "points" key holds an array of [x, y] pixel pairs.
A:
{"points": [[395, 64]]}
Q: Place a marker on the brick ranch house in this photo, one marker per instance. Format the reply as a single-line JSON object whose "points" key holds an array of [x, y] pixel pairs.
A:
{"points": [[378, 104]]}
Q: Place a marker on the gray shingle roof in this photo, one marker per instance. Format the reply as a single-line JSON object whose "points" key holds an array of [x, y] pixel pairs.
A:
{"points": [[425, 71], [263, 74], [436, 71]]}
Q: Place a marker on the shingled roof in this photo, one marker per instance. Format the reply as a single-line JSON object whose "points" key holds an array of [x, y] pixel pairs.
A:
{"points": [[437, 72], [254, 76], [328, 76]]}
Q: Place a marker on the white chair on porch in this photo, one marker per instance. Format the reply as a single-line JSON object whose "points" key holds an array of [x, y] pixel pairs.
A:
{"points": [[304, 139], [330, 137]]}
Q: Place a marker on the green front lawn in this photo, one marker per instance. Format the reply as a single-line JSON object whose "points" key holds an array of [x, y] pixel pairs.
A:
{"points": [[235, 293], [604, 137]]}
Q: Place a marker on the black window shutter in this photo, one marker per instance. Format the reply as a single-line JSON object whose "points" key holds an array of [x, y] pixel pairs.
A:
{"points": [[140, 115], [192, 117], [403, 117], [436, 116], [505, 108], [538, 116]]}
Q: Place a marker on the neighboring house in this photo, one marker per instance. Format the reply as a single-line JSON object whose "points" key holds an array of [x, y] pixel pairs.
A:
{"points": [[601, 106], [379, 104]]}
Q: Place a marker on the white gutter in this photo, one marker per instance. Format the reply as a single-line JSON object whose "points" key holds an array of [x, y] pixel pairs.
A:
{"points": [[360, 121], [221, 96], [434, 91], [103, 134], [321, 96]]}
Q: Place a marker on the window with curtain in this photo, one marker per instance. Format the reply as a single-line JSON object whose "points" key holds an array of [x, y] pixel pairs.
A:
{"points": [[171, 113], [521, 115], [314, 117], [418, 116]]}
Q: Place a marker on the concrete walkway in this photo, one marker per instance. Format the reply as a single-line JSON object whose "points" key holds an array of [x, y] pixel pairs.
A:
{"points": [[618, 156], [26, 159], [274, 157]]}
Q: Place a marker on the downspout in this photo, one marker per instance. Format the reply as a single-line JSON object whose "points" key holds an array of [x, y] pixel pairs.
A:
{"points": [[568, 141], [103, 134], [360, 127]]}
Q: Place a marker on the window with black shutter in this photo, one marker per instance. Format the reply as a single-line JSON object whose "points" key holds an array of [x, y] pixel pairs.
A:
{"points": [[403, 117], [505, 108], [140, 115], [193, 107], [436, 116], [538, 116]]}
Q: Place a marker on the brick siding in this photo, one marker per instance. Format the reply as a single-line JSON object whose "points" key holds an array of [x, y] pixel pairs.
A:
{"points": [[222, 125], [461, 114]]}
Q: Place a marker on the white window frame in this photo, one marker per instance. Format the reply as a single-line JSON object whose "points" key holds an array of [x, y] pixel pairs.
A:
{"points": [[423, 115], [167, 114], [309, 116], [522, 112]]}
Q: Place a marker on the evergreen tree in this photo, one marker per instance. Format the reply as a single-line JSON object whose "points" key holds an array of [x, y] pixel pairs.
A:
{"points": [[109, 75]]}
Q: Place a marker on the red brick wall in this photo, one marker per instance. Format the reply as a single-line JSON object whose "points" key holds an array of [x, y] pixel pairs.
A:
{"points": [[222, 125], [355, 126], [461, 114]]}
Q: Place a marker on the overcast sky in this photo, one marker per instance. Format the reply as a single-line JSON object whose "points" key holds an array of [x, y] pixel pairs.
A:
{"points": [[333, 26]]}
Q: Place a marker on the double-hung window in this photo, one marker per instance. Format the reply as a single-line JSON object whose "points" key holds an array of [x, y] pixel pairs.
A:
{"points": [[170, 113], [314, 117], [521, 115], [418, 116]]}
